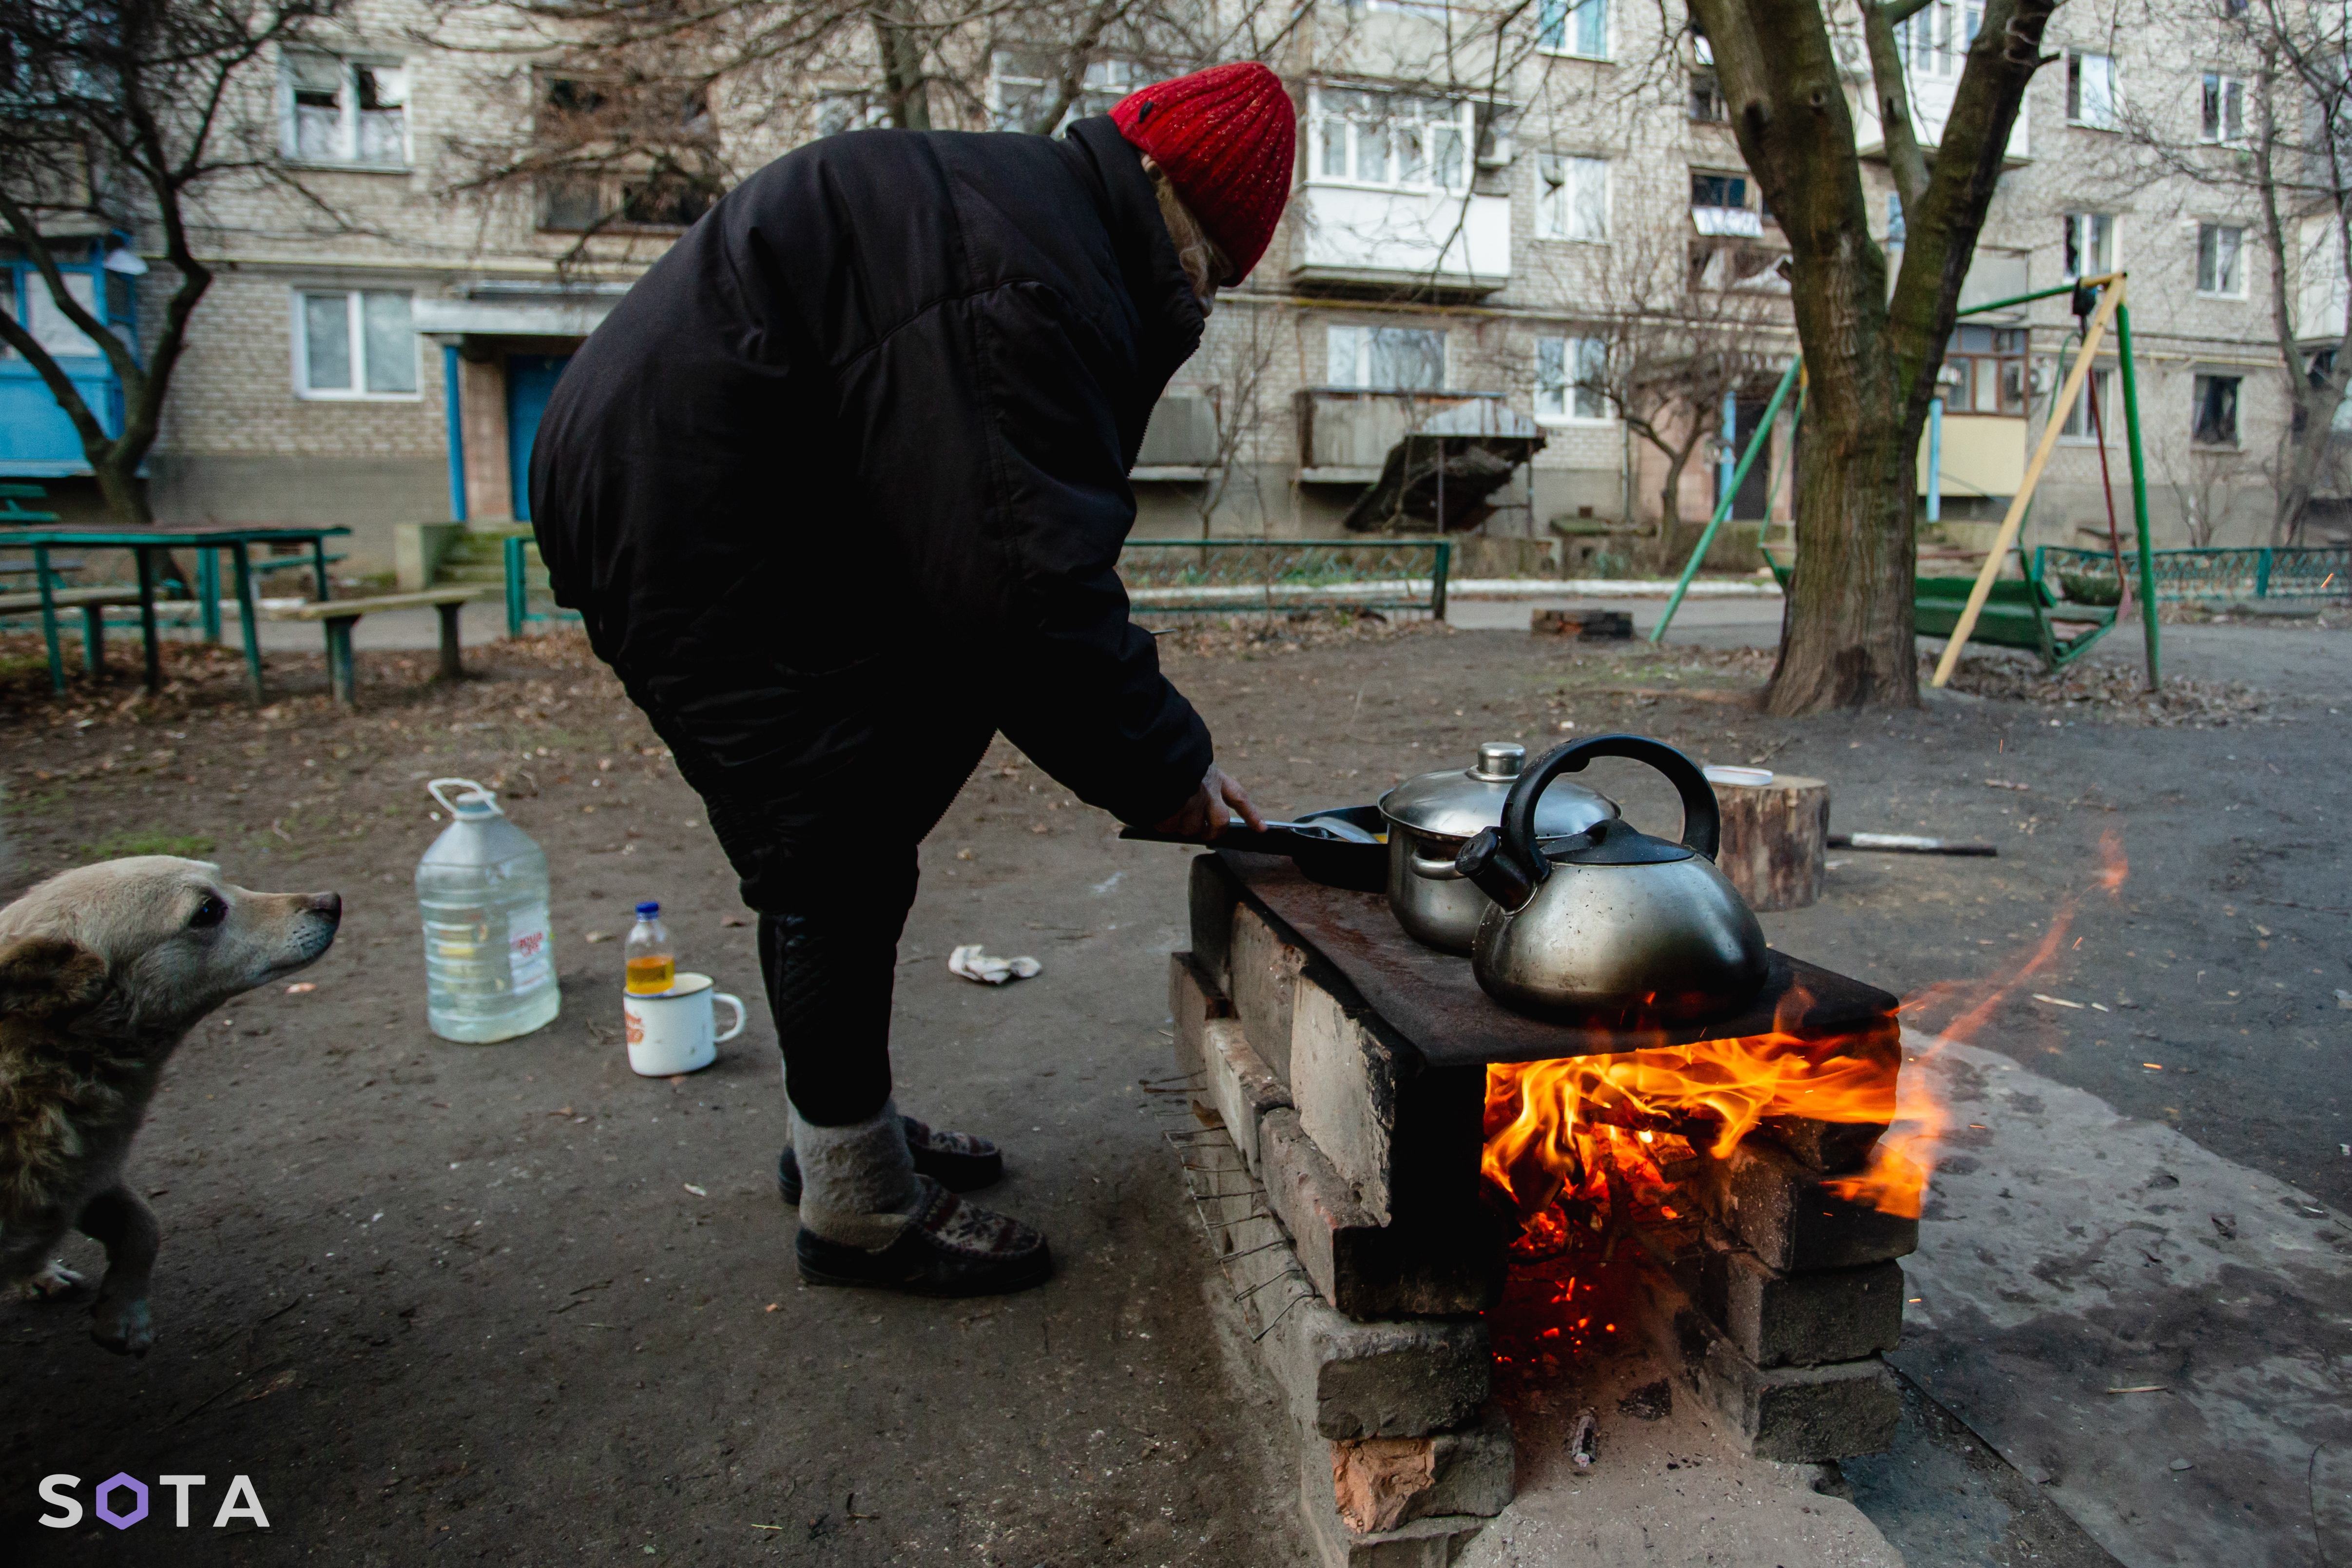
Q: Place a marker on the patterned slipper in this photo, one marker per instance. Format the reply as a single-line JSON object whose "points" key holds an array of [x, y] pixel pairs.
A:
{"points": [[946, 1247], [957, 1161]]}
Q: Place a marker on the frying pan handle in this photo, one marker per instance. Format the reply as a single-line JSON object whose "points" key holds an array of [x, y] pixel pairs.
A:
{"points": [[1702, 819]]}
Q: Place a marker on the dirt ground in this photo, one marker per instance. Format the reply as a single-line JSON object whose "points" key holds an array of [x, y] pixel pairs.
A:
{"points": [[514, 1303]]}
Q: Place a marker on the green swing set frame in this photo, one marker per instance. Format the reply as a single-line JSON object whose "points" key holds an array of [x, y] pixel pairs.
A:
{"points": [[2019, 613]]}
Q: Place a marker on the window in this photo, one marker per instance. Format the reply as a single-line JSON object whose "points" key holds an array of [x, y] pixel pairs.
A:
{"points": [[2091, 90], [1398, 359], [1984, 371], [1023, 84], [1574, 202], [2089, 244], [1719, 205], [2216, 415], [1574, 27], [1707, 105], [339, 110], [2218, 268], [1717, 190], [641, 153], [2225, 109], [354, 343], [1390, 139], [1897, 229], [2099, 385], [840, 112], [1571, 377], [51, 327], [1934, 41]]}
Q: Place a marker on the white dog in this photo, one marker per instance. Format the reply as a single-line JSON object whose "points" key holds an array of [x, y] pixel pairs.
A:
{"points": [[103, 970]]}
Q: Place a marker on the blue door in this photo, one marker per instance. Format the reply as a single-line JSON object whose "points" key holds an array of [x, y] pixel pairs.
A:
{"points": [[531, 382]]}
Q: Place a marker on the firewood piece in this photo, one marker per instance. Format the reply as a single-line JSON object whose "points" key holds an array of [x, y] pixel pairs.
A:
{"points": [[1773, 839], [1590, 626]]}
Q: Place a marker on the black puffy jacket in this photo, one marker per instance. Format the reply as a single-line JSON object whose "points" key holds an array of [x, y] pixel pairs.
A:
{"points": [[853, 455]]}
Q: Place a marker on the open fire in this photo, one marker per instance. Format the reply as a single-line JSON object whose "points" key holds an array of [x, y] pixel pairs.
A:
{"points": [[1597, 1143]]}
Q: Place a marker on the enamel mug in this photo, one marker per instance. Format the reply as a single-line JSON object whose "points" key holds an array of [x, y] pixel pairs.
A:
{"points": [[675, 1031]]}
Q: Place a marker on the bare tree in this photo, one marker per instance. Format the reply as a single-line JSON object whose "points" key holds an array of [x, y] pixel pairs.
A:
{"points": [[1872, 352], [132, 112], [1683, 326]]}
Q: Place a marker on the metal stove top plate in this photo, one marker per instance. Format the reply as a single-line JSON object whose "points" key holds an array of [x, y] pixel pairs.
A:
{"points": [[1435, 1002]]}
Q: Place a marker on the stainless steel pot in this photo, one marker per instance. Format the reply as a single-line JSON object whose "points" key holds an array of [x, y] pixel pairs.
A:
{"points": [[1430, 819]]}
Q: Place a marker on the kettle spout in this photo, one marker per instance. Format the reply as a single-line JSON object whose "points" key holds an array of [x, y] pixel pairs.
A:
{"points": [[1492, 871]]}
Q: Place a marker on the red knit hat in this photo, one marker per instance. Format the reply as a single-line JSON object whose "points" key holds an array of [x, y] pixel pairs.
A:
{"points": [[1226, 137]]}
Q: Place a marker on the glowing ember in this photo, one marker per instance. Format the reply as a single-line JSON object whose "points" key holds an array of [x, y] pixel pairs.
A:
{"points": [[1594, 1143]]}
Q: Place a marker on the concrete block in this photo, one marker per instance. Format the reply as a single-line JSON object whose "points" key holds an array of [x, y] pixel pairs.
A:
{"points": [[1379, 1483], [1241, 1086], [1264, 985], [1194, 998], [1802, 1320], [1343, 1080], [1214, 896], [1363, 1269], [1795, 1414], [1831, 1148], [1400, 1378], [1780, 1211], [1431, 1543], [418, 549]]}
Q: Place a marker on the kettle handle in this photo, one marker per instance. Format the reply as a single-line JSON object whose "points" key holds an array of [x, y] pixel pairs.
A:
{"points": [[1702, 819]]}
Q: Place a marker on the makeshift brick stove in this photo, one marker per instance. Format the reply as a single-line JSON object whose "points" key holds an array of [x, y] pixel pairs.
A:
{"points": [[1343, 1108]]}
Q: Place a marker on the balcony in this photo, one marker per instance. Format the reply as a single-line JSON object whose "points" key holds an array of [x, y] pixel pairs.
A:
{"points": [[1345, 435], [1438, 244], [1931, 106]]}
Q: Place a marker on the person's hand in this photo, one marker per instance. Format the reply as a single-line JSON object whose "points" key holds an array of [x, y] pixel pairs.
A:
{"points": [[1212, 809]]}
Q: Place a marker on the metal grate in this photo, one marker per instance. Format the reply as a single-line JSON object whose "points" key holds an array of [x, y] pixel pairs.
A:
{"points": [[1210, 576], [1230, 1206]]}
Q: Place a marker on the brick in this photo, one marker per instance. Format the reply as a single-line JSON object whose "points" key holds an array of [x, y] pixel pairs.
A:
{"points": [[1795, 1414], [1365, 1269], [1262, 982], [1802, 1320], [1194, 998], [1431, 1542], [1343, 1080], [1400, 1378], [1831, 1148], [1379, 1483], [1213, 894], [1241, 1086], [1779, 1211]]}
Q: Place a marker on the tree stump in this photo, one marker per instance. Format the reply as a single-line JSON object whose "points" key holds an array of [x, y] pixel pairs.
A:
{"points": [[1773, 839]]}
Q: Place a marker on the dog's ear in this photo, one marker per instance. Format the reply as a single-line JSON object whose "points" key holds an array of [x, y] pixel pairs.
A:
{"points": [[49, 977]]}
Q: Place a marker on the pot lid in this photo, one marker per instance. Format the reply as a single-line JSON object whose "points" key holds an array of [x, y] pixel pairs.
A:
{"points": [[1457, 803]]}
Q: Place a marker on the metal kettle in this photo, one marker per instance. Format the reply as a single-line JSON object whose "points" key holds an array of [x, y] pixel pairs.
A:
{"points": [[1613, 923]]}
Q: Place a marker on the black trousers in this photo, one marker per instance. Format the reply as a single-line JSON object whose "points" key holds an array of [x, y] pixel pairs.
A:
{"points": [[829, 866]]}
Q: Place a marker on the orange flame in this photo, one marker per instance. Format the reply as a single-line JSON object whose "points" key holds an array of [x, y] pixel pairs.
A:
{"points": [[1589, 1138]]}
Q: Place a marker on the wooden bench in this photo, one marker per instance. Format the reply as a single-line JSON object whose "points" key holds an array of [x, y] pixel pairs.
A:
{"points": [[93, 603], [340, 615]]}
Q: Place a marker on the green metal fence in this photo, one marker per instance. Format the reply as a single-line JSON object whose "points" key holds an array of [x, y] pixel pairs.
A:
{"points": [[2254, 573], [1235, 576]]}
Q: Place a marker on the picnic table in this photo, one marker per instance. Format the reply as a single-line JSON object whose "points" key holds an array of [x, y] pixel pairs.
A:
{"points": [[204, 538]]}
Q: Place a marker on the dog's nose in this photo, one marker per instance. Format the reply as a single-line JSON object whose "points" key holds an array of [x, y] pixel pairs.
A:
{"points": [[328, 904]]}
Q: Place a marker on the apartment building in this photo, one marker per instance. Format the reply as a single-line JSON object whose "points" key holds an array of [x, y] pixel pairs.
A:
{"points": [[1484, 224]]}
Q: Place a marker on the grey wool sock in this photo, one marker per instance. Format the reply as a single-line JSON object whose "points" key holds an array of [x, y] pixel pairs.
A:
{"points": [[857, 1182]]}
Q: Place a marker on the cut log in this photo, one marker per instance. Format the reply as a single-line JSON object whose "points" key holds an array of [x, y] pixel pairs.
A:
{"points": [[1773, 837]]}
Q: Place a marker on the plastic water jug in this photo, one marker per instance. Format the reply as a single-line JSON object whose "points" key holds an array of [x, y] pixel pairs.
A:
{"points": [[489, 958]]}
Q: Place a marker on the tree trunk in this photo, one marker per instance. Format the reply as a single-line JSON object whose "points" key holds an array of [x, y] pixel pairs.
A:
{"points": [[902, 73], [1846, 637]]}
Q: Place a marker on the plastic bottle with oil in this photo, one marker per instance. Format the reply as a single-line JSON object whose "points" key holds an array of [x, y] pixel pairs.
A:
{"points": [[649, 958]]}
